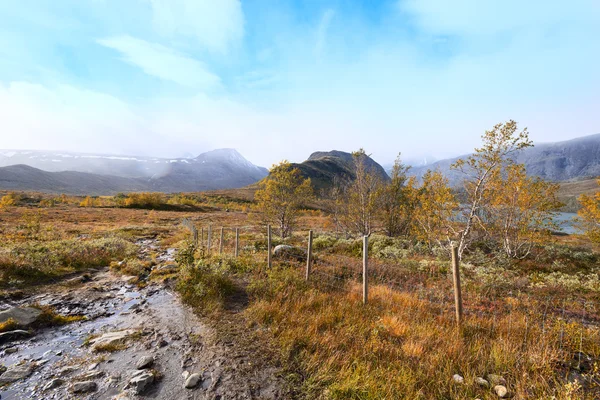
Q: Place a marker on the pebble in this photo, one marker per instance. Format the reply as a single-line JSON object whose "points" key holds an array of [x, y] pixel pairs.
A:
{"points": [[482, 382], [495, 380], [501, 391], [192, 381]]}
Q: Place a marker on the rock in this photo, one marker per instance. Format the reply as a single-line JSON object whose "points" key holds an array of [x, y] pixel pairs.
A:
{"points": [[287, 252], [2, 369], [11, 350], [93, 366], [458, 379], [495, 380], [140, 382], [110, 338], [15, 373], [482, 383], [185, 374], [13, 335], [54, 383], [69, 369], [162, 343], [84, 387], [88, 376], [23, 316], [501, 391], [192, 381], [144, 362]]}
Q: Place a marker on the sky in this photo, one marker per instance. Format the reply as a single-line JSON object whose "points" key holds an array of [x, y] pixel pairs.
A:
{"points": [[280, 79]]}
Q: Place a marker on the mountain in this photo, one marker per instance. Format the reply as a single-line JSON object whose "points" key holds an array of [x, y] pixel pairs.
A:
{"points": [[325, 167], [24, 177], [107, 174], [559, 161]]}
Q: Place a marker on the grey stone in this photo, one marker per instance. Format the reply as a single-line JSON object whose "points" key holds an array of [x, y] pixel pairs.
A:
{"points": [[144, 362], [23, 316], [54, 383], [192, 381], [84, 387], [284, 251], [11, 350], [501, 391], [111, 338], [140, 382], [13, 335], [15, 373], [458, 379], [482, 382], [495, 380]]}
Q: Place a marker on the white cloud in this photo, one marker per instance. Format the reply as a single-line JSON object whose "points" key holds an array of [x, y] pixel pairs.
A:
{"points": [[476, 17], [322, 29], [162, 62], [216, 24]]}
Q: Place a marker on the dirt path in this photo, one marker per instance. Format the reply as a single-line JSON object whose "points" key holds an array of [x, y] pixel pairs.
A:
{"points": [[231, 363]]}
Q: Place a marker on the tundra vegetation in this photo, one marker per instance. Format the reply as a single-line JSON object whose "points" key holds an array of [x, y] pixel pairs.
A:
{"points": [[530, 296]]}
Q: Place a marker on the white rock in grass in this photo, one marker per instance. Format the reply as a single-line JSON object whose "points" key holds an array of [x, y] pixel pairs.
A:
{"points": [[501, 391], [458, 379]]}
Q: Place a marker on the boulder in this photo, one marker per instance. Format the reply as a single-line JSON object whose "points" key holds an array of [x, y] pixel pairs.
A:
{"points": [[84, 387], [141, 381], [23, 316], [54, 383], [144, 362], [192, 381], [13, 335], [110, 338], [15, 373], [287, 252]]}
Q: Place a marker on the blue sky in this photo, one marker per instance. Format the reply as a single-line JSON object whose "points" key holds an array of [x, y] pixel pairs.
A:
{"points": [[280, 79]]}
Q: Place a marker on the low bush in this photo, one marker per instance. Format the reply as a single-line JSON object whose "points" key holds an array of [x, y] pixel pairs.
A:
{"points": [[38, 261]]}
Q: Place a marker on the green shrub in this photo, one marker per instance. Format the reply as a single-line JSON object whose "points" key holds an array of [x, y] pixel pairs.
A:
{"points": [[203, 286]]}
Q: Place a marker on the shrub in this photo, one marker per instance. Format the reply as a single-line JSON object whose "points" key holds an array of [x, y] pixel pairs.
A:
{"points": [[145, 200], [204, 286], [38, 261]]}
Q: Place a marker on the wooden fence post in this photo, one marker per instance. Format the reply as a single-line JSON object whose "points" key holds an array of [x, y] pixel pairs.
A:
{"points": [[237, 241], [457, 291], [195, 233], [202, 237], [269, 246], [365, 269], [221, 242], [309, 254], [208, 238]]}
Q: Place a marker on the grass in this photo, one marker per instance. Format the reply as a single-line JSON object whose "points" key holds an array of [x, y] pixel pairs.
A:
{"points": [[41, 261], [400, 346], [8, 325], [403, 344]]}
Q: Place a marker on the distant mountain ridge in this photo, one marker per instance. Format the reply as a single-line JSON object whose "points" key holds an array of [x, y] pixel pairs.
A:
{"points": [[108, 174], [324, 167], [558, 161]]}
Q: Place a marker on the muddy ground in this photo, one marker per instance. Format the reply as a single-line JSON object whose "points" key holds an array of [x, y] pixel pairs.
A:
{"points": [[232, 361]]}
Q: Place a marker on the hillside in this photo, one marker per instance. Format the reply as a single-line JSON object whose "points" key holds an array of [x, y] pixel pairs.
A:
{"points": [[76, 173], [24, 177], [559, 161], [323, 168]]}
